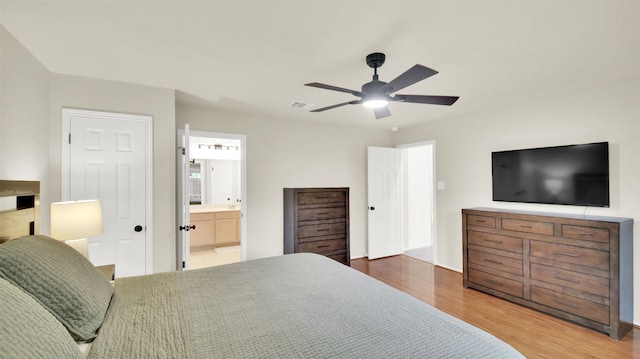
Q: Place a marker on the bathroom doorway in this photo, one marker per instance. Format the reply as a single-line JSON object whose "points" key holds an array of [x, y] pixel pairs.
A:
{"points": [[215, 188]]}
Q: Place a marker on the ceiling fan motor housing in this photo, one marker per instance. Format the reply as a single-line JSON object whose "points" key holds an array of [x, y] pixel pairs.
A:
{"points": [[372, 87]]}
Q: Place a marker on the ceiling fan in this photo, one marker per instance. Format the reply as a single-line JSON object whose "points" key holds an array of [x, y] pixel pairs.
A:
{"points": [[377, 94]]}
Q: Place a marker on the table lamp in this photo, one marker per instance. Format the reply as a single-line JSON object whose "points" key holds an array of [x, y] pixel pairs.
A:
{"points": [[74, 221]]}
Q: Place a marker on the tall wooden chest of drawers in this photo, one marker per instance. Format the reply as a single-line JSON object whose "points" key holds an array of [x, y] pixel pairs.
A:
{"points": [[579, 268], [316, 220]]}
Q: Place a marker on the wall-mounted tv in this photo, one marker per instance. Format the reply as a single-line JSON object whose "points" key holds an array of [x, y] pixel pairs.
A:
{"points": [[568, 175]]}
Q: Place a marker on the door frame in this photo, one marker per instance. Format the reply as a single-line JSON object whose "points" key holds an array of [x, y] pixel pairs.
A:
{"points": [[243, 182], [67, 113], [434, 231]]}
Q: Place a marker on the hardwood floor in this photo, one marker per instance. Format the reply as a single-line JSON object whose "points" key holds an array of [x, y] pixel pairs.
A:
{"points": [[534, 334]]}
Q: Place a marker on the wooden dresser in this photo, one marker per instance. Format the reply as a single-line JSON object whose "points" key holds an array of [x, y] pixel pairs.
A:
{"points": [[316, 220], [579, 268]]}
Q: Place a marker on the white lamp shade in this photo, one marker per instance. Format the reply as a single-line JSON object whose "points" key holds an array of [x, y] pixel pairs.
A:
{"points": [[76, 219]]}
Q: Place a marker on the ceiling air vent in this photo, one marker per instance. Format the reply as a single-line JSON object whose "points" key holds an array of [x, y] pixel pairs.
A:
{"points": [[301, 104]]}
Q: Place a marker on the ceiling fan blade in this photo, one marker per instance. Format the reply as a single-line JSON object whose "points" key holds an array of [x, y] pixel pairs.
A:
{"points": [[334, 88], [381, 112], [354, 102], [409, 77], [432, 100]]}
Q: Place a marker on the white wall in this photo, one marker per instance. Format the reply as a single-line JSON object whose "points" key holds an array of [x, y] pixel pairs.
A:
{"points": [[93, 94], [289, 153], [31, 102], [24, 118], [608, 112]]}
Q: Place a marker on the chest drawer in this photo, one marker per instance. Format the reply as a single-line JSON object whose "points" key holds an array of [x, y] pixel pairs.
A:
{"points": [[570, 254], [581, 307], [586, 233], [321, 230], [322, 246], [481, 221], [570, 279], [315, 214], [534, 227], [511, 244], [494, 261], [321, 197], [504, 285]]}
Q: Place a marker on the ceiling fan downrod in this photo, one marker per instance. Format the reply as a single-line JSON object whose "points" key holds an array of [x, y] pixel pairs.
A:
{"points": [[374, 61]]}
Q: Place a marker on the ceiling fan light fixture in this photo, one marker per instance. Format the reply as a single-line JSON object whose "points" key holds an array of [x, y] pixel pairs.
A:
{"points": [[375, 103]]}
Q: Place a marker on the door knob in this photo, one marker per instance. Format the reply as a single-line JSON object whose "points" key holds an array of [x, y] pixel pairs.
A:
{"points": [[372, 208], [137, 228]]}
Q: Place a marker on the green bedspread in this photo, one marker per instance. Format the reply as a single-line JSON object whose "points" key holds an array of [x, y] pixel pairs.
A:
{"points": [[293, 306]]}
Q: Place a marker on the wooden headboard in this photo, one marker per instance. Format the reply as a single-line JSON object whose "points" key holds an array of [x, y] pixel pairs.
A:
{"points": [[19, 209]]}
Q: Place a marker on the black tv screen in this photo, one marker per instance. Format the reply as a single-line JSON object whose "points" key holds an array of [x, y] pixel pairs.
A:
{"points": [[569, 175]]}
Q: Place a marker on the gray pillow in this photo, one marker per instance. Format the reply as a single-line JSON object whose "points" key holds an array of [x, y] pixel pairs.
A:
{"points": [[60, 279], [27, 330]]}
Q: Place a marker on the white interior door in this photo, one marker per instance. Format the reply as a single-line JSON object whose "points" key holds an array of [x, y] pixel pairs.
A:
{"points": [[183, 199], [385, 202], [106, 158]]}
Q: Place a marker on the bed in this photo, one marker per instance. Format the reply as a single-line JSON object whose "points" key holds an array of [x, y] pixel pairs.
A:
{"points": [[293, 306]]}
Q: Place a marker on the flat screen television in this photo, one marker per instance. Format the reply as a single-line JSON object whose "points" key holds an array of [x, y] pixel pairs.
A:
{"points": [[568, 175]]}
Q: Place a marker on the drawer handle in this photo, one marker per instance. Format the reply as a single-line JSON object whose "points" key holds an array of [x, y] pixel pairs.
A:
{"points": [[492, 240], [572, 255], [481, 221], [493, 282], [493, 261], [527, 227], [567, 304], [585, 234], [322, 230], [567, 279], [323, 214], [323, 246]]}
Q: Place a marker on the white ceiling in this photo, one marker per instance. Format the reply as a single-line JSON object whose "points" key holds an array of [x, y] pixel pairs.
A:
{"points": [[255, 56]]}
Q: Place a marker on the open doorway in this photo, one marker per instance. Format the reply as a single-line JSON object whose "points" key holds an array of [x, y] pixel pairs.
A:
{"points": [[215, 190], [418, 191]]}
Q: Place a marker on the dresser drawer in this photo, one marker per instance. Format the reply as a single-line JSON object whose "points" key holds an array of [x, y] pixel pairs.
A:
{"points": [[566, 303], [323, 246], [481, 221], [497, 262], [586, 233], [570, 279], [321, 230], [570, 254], [504, 285], [321, 197], [544, 228], [506, 243], [315, 214]]}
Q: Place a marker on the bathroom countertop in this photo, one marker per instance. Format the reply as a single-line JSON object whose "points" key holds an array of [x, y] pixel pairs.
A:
{"points": [[208, 208]]}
